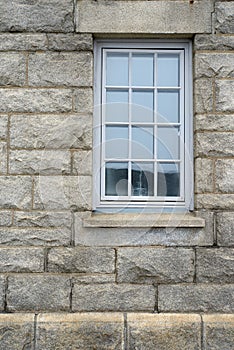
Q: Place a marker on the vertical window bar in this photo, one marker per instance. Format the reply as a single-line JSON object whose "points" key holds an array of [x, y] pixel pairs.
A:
{"points": [[182, 126], [130, 123], [155, 127], [103, 120]]}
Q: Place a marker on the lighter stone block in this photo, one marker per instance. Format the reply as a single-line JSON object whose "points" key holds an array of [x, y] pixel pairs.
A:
{"points": [[213, 42], [214, 122], [43, 219], [22, 41], [13, 69], [216, 144], [203, 175], [219, 65], [3, 126], [70, 42], [203, 95], [5, 218], [214, 201], [83, 100], [3, 158], [224, 179], [224, 17], [218, 331], [15, 192], [82, 163], [225, 96], [21, 260], [225, 228]]}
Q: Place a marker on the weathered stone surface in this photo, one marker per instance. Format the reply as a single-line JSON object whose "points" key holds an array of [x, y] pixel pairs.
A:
{"points": [[5, 218], [59, 131], [3, 126], [70, 42], [21, 260], [17, 331], [60, 69], [43, 219], [225, 228], [224, 17], [63, 192], [219, 332], [80, 331], [219, 65], [159, 265], [82, 163], [225, 96], [83, 100], [213, 42], [94, 279], [38, 293], [81, 259], [164, 331], [13, 69], [3, 158], [203, 96], [144, 17], [22, 41], [215, 265], [214, 201], [215, 144], [214, 122], [47, 162], [224, 175], [203, 175], [35, 100], [15, 192], [43, 16], [196, 298], [2, 292], [113, 297]]}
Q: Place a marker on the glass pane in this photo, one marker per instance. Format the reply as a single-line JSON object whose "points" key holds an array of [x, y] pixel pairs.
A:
{"points": [[142, 179], [117, 69], [117, 106], [142, 69], [142, 143], [116, 179], [168, 107], [116, 142], [168, 70], [168, 143], [168, 179], [142, 106]]}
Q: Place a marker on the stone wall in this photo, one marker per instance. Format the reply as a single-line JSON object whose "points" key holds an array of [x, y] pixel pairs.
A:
{"points": [[67, 282]]}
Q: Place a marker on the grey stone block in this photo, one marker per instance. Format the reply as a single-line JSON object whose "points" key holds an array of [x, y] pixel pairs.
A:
{"points": [[83, 100], [225, 96], [203, 175], [3, 158], [43, 16], [35, 100], [15, 192], [94, 278], [80, 331], [113, 297], [214, 122], [82, 163], [159, 265], [82, 260], [17, 331], [218, 331], [219, 65], [38, 293], [70, 42], [47, 162], [13, 69], [225, 228], [59, 131], [5, 218], [22, 41], [215, 265], [3, 126], [214, 201], [2, 292], [203, 96], [164, 332], [21, 260], [224, 171], [196, 298], [218, 144], [213, 42], [43, 219], [224, 17], [60, 69]]}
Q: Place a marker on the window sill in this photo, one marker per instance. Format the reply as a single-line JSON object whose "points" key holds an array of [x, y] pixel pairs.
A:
{"points": [[143, 220]]}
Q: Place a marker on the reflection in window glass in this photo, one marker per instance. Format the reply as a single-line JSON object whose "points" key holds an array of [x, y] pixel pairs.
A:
{"points": [[143, 106], [168, 70], [168, 107], [116, 179], [117, 69], [116, 142], [117, 105], [168, 143], [142, 143], [142, 69], [142, 179], [168, 183]]}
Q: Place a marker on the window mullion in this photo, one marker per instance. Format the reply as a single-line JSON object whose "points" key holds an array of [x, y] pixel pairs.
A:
{"points": [[130, 124], [155, 126]]}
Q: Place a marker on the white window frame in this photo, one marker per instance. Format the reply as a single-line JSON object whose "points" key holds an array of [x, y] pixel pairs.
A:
{"points": [[116, 203]]}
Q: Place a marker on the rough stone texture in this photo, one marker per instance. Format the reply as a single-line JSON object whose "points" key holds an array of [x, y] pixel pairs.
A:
{"points": [[3, 126], [83, 100], [5, 218], [21, 260], [219, 332], [46, 15], [60, 69], [70, 42], [82, 163], [215, 201], [82, 260], [224, 175], [17, 331], [163, 332], [13, 69], [219, 65], [224, 17], [58, 131], [35, 100], [214, 122], [215, 265], [15, 192], [94, 278], [22, 41], [144, 17], [225, 228], [215, 144], [148, 265], [63, 192], [38, 293], [203, 96], [113, 297], [3, 158], [225, 96], [196, 298], [53, 162], [43, 219], [213, 42], [2, 292], [203, 175], [80, 331]]}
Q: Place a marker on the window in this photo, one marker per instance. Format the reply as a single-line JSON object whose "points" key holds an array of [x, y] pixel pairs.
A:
{"points": [[143, 125]]}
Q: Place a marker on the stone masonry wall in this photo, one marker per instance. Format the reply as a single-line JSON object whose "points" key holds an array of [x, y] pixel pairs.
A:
{"points": [[66, 285]]}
